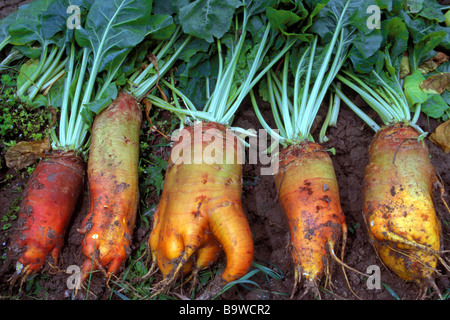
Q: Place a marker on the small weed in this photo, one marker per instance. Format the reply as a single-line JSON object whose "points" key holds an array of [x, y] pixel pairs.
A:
{"points": [[353, 227], [11, 214], [19, 121], [249, 282]]}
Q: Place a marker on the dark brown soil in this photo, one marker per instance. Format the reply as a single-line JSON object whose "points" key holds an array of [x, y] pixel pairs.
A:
{"points": [[350, 139]]}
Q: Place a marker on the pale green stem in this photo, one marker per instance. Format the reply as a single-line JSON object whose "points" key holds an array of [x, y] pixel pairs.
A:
{"points": [[21, 91], [63, 123], [34, 89], [74, 111], [372, 124], [274, 106], [149, 83], [5, 42]]}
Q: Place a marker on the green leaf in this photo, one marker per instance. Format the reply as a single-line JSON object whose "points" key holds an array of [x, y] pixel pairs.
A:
{"points": [[422, 50], [99, 105], [113, 28], [414, 6], [397, 35], [192, 48], [413, 92], [446, 96], [432, 10], [367, 40], [55, 94], [192, 76], [362, 64], [29, 51], [315, 7], [208, 18], [435, 107], [282, 19], [55, 18], [6, 22], [385, 4], [39, 101], [161, 27], [369, 44], [94, 107], [26, 70], [155, 172], [30, 26], [392, 292]]}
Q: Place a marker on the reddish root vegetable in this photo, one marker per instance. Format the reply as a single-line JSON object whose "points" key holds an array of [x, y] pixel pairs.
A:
{"points": [[113, 187], [398, 204], [309, 194], [48, 203], [200, 211]]}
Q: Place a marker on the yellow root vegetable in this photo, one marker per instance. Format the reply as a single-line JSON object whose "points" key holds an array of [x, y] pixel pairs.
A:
{"points": [[398, 204], [200, 211]]}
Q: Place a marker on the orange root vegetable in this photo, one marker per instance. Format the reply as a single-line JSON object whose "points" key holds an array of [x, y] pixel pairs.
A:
{"points": [[49, 201], [113, 186], [308, 192], [398, 204], [200, 211]]}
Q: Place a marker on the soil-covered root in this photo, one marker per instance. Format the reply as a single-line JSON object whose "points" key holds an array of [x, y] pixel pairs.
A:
{"points": [[48, 203]]}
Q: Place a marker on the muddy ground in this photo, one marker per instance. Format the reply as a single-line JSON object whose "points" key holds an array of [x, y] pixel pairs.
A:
{"points": [[351, 139]]}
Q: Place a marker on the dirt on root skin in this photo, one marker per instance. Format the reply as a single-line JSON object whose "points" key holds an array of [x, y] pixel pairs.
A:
{"points": [[350, 139]]}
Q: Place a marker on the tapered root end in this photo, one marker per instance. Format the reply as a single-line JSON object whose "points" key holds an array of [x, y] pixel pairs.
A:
{"points": [[166, 283], [151, 271], [303, 285], [88, 267], [433, 285], [22, 274]]}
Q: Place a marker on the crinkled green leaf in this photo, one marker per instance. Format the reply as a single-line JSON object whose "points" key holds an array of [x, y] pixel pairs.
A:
{"points": [[368, 44], [363, 64], [315, 7], [30, 26], [432, 10], [282, 19], [161, 27], [397, 35], [193, 47], [57, 15], [208, 19], [113, 28], [414, 6], [423, 50]]}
